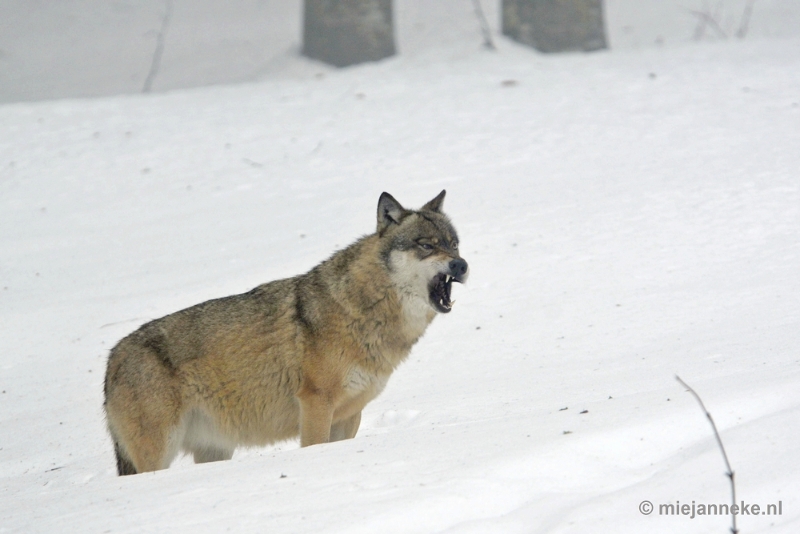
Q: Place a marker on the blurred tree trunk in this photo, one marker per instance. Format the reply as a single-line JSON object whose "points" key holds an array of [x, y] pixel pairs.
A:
{"points": [[345, 32], [555, 25]]}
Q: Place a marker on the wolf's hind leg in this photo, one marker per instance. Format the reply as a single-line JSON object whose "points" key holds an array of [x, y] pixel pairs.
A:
{"points": [[346, 429], [156, 449], [211, 454], [143, 409], [203, 439], [124, 464]]}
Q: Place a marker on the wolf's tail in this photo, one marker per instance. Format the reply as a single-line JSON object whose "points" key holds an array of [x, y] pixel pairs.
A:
{"points": [[124, 465]]}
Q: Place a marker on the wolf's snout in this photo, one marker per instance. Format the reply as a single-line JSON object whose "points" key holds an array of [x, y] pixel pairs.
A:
{"points": [[458, 269]]}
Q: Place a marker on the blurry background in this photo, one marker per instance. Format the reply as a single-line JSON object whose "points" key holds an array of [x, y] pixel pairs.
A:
{"points": [[81, 48]]}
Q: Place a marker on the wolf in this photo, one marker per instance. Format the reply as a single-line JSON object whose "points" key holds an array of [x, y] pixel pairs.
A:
{"points": [[299, 356]]}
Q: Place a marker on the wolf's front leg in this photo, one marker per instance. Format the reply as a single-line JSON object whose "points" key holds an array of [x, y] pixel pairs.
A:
{"points": [[316, 414]]}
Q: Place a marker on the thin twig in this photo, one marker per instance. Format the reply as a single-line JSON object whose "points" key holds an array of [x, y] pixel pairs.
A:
{"points": [[487, 35], [721, 447], [708, 20], [744, 24], [700, 29], [156, 63]]}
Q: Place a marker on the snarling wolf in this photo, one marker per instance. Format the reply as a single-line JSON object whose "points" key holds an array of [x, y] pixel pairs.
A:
{"points": [[300, 356]]}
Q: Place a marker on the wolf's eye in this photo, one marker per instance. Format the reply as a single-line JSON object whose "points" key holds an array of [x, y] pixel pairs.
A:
{"points": [[455, 245], [426, 246]]}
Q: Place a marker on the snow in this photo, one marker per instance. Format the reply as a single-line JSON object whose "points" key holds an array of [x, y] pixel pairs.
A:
{"points": [[627, 216]]}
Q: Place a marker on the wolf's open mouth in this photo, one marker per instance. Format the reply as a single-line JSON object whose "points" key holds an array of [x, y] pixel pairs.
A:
{"points": [[440, 292]]}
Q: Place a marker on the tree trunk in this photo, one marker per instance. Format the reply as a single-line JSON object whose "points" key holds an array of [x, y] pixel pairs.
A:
{"points": [[345, 32], [555, 25]]}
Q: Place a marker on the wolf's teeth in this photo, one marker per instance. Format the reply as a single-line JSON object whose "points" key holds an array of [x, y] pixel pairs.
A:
{"points": [[447, 278]]}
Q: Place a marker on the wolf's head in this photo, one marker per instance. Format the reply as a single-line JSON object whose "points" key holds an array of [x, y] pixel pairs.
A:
{"points": [[421, 250]]}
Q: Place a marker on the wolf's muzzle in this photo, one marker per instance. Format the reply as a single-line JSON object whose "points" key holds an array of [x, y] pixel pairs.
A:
{"points": [[458, 269]]}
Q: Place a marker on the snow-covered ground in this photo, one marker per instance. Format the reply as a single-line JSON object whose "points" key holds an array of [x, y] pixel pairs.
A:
{"points": [[627, 216]]}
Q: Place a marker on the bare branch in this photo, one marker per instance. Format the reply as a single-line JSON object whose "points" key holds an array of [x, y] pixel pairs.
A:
{"points": [[721, 447], [700, 29], [157, 53], [744, 25], [487, 35], [707, 19]]}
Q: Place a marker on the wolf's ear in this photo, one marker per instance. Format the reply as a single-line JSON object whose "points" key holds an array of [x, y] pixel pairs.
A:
{"points": [[389, 212], [435, 204]]}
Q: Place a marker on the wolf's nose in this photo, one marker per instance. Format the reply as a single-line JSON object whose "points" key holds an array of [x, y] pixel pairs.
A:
{"points": [[458, 267]]}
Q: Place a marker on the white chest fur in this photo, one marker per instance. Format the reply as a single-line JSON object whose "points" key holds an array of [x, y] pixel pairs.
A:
{"points": [[411, 277], [359, 381], [417, 315]]}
